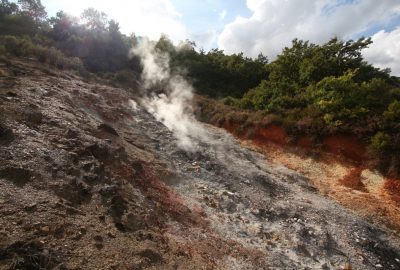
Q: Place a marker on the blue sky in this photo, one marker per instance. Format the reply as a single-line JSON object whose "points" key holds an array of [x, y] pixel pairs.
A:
{"points": [[375, 27], [210, 14], [206, 19], [254, 26]]}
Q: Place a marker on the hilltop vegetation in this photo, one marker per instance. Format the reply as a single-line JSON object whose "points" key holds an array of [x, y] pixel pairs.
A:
{"points": [[95, 42], [329, 89], [308, 89]]}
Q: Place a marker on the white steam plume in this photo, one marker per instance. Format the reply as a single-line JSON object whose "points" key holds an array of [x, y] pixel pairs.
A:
{"points": [[173, 106]]}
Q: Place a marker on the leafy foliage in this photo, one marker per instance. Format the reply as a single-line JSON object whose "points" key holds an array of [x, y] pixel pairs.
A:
{"points": [[98, 42], [33, 9], [393, 111], [23, 46], [327, 89], [214, 73], [380, 141]]}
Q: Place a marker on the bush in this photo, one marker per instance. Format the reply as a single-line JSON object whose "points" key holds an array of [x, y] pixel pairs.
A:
{"points": [[23, 46], [56, 58], [230, 101], [395, 93], [393, 111], [125, 77], [18, 46], [381, 141]]}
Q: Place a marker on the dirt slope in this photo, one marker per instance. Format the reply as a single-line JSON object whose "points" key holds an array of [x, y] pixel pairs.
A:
{"points": [[358, 188], [88, 182]]}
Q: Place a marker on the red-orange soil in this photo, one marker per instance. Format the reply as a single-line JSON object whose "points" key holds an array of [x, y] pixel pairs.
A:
{"points": [[335, 169]]}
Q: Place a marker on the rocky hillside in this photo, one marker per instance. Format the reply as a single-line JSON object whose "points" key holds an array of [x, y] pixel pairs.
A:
{"points": [[89, 180]]}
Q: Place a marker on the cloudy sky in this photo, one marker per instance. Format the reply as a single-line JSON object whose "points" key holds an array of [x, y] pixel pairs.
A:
{"points": [[254, 26]]}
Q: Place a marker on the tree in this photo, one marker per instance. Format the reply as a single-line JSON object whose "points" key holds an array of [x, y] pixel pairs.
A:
{"points": [[94, 20], [306, 63], [63, 26], [13, 21], [393, 111], [7, 8], [113, 27], [34, 9], [262, 59], [165, 45]]}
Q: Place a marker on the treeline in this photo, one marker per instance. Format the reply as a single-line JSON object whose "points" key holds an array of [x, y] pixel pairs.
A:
{"points": [[214, 73], [95, 43], [320, 90], [309, 89], [90, 43]]}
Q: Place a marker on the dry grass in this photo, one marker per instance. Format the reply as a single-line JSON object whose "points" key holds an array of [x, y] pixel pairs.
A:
{"points": [[353, 180], [392, 187]]}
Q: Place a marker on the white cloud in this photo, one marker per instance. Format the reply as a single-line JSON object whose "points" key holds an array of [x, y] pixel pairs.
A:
{"points": [[147, 18], [274, 23], [205, 41], [223, 14], [385, 50]]}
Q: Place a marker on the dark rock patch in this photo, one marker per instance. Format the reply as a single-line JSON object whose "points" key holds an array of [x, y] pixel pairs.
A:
{"points": [[152, 256], [117, 209], [132, 222], [11, 94], [6, 135], [76, 191], [137, 166], [103, 151], [72, 133], [30, 255], [99, 151], [18, 176], [107, 128], [271, 188], [31, 115]]}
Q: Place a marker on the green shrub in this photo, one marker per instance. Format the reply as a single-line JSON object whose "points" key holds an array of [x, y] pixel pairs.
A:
{"points": [[56, 58], [124, 77], [395, 93], [393, 111], [380, 141], [230, 101], [23, 46], [18, 46]]}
